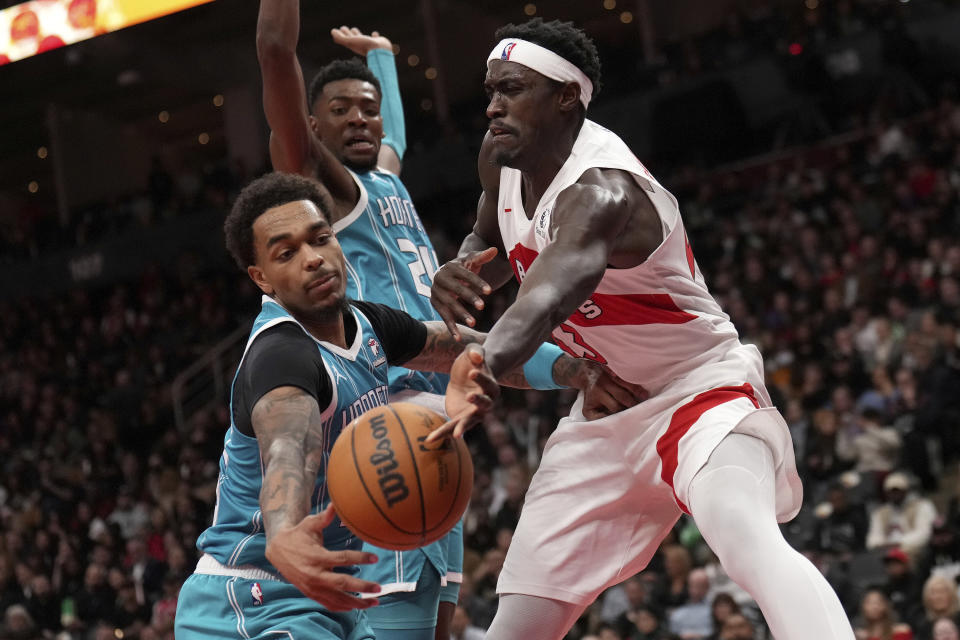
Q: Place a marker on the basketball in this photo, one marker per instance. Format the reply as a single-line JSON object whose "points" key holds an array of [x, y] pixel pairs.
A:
{"points": [[392, 489]]}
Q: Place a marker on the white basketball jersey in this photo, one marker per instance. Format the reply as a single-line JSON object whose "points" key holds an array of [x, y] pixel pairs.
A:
{"points": [[653, 323]]}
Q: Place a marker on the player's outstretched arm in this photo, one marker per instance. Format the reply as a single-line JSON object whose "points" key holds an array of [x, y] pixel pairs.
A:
{"points": [[378, 52], [588, 221], [294, 148], [288, 427], [481, 264]]}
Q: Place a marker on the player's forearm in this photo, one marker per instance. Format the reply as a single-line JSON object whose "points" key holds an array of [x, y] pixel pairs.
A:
{"points": [[529, 322], [281, 422], [278, 27], [440, 350], [285, 495]]}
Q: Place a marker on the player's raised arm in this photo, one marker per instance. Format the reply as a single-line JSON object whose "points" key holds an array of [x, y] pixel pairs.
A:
{"points": [[288, 427], [481, 264], [294, 147], [378, 52]]}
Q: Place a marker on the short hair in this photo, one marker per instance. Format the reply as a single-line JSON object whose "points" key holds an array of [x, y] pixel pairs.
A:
{"points": [[564, 39], [266, 192], [346, 69]]}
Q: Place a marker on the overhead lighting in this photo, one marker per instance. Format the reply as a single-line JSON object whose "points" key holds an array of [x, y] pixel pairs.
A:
{"points": [[413, 59], [426, 104], [203, 138], [609, 4], [42, 153], [811, 4], [530, 9], [396, 49], [163, 116], [218, 100], [626, 17], [430, 73], [33, 186]]}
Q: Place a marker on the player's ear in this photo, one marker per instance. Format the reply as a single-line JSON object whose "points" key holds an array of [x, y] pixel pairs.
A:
{"points": [[569, 96], [314, 124], [256, 274]]}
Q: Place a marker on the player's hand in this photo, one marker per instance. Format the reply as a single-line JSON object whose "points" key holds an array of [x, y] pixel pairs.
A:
{"points": [[298, 553], [470, 393], [604, 392], [359, 42], [456, 283]]}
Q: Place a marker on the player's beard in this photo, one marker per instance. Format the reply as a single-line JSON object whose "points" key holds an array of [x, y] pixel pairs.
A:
{"points": [[328, 313]]}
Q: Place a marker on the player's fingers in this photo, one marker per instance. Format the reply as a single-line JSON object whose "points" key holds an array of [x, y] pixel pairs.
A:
{"points": [[487, 385], [343, 582], [479, 258], [594, 413], [441, 432], [636, 390], [347, 602], [456, 309], [467, 277], [622, 395], [441, 303], [344, 558], [320, 521]]}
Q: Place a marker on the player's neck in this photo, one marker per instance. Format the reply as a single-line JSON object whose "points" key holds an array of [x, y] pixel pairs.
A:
{"points": [[540, 170], [330, 329]]}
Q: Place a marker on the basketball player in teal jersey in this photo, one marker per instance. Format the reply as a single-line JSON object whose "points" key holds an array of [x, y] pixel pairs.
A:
{"points": [[389, 257], [314, 361]]}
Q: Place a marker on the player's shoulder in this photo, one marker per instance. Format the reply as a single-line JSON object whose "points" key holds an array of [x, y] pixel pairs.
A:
{"points": [[279, 340]]}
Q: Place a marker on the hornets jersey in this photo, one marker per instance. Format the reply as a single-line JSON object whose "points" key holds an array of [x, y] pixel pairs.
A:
{"points": [[354, 379], [390, 260]]}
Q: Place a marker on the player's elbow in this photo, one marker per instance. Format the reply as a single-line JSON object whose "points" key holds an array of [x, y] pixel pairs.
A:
{"points": [[272, 48]]}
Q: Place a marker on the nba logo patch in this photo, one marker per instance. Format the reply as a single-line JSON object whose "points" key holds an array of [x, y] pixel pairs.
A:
{"points": [[257, 593], [505, 55]]}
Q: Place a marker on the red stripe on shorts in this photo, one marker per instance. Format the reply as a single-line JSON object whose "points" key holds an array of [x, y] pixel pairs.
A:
{"points": [[668, 446]]}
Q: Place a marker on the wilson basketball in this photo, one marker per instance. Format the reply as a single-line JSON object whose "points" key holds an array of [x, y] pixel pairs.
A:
{"points": [[390, 487]]}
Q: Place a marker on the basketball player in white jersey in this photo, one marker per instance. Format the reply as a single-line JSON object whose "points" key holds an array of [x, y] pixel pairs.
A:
{"points": [[606, 268]]}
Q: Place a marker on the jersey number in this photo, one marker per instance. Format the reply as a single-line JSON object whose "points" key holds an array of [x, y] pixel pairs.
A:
{"points": [[423, 264], [573, 343]]}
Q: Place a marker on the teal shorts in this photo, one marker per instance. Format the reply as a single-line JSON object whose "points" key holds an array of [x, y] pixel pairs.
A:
{"points": [[219, 606], [408, 610]]}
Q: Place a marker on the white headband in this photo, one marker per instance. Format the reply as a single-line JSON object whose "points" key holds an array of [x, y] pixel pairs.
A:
{"points": [[543, 61]]}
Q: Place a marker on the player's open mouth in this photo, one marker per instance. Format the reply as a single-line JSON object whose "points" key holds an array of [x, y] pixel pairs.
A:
{"points": [[360, 144]]}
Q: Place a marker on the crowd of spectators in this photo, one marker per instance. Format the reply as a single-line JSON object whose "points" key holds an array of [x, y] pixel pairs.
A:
{"points": [[841, 261]]}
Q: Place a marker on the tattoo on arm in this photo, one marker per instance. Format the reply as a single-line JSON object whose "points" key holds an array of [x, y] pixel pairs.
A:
{"points": [[287, 424], [569, 371], [440, 349]]}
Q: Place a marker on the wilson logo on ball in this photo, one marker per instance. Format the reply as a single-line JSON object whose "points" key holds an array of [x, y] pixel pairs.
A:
{"points": [[392, 484]]}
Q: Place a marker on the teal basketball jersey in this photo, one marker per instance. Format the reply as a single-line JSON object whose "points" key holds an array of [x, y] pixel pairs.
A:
{"points": [[390, 260], [358, 377]]}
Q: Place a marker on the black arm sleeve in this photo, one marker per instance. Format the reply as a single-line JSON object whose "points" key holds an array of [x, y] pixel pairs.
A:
{"points": [[402, 335], [281, 356]]}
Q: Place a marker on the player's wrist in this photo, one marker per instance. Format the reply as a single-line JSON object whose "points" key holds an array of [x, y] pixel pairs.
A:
{"points": [[541, 369]]}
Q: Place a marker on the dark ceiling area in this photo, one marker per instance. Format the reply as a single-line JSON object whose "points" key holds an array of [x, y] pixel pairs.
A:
{"points": [[178, 63]]}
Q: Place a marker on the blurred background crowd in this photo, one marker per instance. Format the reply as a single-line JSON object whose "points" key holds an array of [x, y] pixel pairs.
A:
{"points": [[838, 255]]}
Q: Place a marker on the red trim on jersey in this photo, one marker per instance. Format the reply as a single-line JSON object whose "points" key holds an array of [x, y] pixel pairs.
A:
{"points": [[668, 446], [690, 261], [618, 309], [632, 308]]}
